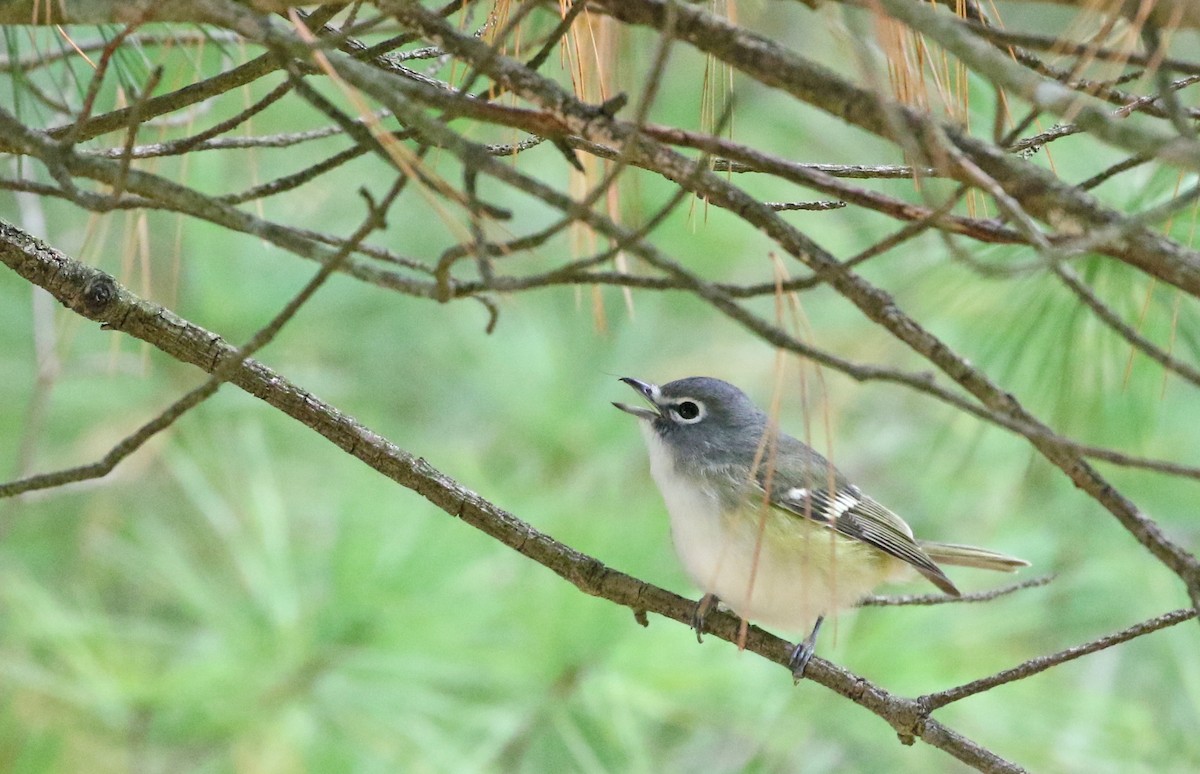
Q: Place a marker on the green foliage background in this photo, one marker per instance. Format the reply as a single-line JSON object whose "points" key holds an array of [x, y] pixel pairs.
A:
{"points": [[242, 597]]}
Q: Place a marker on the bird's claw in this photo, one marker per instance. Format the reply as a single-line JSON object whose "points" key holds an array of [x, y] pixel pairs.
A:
{"points": [[803, 652], [801, 655], [705, 604]]}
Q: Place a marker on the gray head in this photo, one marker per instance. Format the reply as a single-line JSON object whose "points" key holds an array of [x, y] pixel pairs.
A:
{"points": [[703, 420]]}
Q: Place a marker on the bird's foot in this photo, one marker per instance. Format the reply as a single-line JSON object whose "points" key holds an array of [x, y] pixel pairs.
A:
{"points": [[706, 603], [803, 652]]}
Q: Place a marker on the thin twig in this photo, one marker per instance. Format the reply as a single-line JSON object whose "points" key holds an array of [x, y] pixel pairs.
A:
{"points": [[1042, 663], [220, 374], [942, 599]]}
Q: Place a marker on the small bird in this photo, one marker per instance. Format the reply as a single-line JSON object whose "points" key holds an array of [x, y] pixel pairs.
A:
{"points": [[767, 526]]}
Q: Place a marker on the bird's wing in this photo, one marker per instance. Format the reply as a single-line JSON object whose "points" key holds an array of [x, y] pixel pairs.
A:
{"points": [[851, 513]]}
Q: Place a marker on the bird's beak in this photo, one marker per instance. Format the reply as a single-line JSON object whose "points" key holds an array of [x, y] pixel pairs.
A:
{"points": [[648, 391]]}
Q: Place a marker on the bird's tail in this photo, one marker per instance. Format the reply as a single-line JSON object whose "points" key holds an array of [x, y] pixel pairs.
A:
{"points": [[970, 556]]}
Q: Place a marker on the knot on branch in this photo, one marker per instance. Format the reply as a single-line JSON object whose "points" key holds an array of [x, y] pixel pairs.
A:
{"points": [[98, 292]]}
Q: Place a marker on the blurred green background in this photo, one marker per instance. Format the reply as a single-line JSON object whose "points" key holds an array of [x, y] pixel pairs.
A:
{"points": [[242, 597]]}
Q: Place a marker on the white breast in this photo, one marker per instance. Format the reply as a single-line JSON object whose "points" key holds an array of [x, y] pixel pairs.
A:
{"points": [[801, 572]]}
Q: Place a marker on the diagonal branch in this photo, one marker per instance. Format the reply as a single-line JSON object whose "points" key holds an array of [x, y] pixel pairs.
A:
{"points": [[98, 297], [101, 287], [1042, 663], [874, 303], [1040, 193]]}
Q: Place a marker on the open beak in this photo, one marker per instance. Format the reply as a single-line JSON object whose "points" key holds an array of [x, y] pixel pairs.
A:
{"points": [[648, 391]]}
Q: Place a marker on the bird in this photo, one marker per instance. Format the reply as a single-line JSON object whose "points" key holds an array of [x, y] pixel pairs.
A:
{"points": [[766, 526]]}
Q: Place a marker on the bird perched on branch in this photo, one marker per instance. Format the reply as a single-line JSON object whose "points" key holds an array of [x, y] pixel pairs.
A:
{"points": [[767, 526]]}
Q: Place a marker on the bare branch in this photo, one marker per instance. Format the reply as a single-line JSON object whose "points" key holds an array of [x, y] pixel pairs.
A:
{"points": [[102, 290], [872, 302], [76, 286], [942, 599], [418, 99], [1042, 663]]}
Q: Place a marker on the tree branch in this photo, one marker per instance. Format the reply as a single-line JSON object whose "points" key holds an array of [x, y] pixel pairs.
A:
{"points": [[98, 297]]}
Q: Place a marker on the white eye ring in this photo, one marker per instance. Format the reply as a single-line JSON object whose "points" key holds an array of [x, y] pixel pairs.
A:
{"points": [[688, 411]]}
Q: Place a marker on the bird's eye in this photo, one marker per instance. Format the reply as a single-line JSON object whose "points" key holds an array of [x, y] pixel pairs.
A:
{"points": [[688, 411]]}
